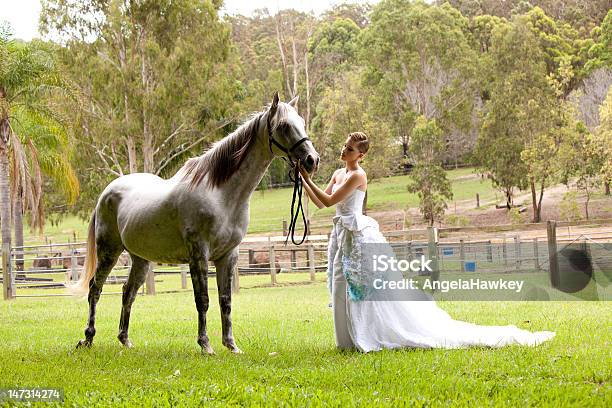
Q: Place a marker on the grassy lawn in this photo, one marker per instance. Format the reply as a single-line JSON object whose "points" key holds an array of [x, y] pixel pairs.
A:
{"points": [[286, 333], [269, 208]]}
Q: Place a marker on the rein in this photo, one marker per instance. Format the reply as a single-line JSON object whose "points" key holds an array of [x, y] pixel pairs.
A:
{"points": [[297, 184]]}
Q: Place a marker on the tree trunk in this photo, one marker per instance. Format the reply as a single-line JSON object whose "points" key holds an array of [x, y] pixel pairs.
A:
{"points": [[540, 200], [5, 203], [18, 222], [307, 118], [282, 54], [607, 188], [295, 60], [132, 158], [147, 142], [508, 193], [365, 203], [586, 204], [534, 202]]}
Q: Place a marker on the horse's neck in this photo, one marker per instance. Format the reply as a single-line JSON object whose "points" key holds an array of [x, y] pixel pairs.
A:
{"points": [[239, 188]]}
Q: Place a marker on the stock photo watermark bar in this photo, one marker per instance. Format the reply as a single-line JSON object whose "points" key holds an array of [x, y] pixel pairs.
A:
{"points": [[496, 272], [31, 394]]}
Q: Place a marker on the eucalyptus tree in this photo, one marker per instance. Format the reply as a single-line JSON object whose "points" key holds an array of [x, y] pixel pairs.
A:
{"points": [[420, 62], [157, 79]]}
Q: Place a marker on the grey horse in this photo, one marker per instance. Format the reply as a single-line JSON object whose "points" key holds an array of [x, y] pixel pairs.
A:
{"points": [[201, 214]]}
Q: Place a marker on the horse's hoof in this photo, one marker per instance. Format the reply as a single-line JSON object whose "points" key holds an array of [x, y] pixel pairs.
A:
{"points": [[232, 347], [208, 351], [83, 343], [127, 344]]}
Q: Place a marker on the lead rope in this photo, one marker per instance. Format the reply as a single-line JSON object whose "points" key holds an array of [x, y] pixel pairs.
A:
{"points": [[297, 194]]}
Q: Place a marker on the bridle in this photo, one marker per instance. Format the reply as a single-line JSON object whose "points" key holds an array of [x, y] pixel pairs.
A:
{"points": [[296, 179]]}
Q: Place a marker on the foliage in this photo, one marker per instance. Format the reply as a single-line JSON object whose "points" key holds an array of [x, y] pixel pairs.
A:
{"points": [[35, 135], [155, 78], [515, 216], [428, 178], [419, 62], [457, 220], [568, 207]]}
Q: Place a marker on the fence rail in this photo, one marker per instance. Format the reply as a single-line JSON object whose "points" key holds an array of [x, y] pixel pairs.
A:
{"points": [[35, 270]]}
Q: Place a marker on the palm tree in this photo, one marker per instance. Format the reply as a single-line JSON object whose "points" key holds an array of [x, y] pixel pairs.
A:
{"points": [[28, 78]]}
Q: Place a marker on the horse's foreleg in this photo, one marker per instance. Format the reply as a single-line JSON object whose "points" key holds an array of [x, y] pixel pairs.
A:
{"points": [[136, 278], [106, 260], [198, 268], [225, 270]]}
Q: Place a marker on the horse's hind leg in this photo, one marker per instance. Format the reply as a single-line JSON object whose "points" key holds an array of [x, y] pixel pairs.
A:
{"points": [[225, 270], [107, 253], [136, 278]]}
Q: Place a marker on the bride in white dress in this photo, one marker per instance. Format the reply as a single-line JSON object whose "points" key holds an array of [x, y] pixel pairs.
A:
{"points": [[376, 325]]}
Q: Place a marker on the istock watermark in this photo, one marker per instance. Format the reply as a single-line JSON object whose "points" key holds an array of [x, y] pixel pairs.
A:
{"points": [[383, 263], [408, 271], [446, 286]]}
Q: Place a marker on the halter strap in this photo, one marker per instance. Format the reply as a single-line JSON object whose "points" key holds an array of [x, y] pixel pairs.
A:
{"points": [[272, 141], [297, 184]]}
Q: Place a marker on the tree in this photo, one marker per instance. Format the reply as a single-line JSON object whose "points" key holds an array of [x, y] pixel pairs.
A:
{"points": [[603, 140], [156, 79], [581, 14], [29, 82], [428, 178], [332, 50], [419, 62], [518, 76]]}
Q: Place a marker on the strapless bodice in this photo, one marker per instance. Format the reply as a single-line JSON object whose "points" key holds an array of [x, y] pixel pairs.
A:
{"points": [[353, 204]]}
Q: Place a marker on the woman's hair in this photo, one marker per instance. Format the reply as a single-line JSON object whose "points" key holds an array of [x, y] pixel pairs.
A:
{"points": [[361, 141]]}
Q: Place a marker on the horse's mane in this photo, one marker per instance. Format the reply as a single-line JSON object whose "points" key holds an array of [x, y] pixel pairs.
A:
{"points": [[226, 156]]}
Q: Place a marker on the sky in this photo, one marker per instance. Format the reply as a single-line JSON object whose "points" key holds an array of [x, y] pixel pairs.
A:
{"points": [[22, 15]]}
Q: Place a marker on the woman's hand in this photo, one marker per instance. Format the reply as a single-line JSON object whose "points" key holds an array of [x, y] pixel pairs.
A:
{"points": [[303, 172]]}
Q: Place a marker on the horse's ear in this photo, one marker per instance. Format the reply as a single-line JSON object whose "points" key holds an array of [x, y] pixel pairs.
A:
{"points": [[274, 103], [294, 102]]}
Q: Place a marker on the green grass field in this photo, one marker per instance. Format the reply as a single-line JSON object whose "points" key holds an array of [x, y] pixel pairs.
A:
{"points": [[270, 207], [290, 358]]}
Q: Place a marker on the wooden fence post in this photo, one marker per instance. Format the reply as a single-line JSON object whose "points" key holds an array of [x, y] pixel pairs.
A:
{"points": [[183, 276], [74, 272], [505, 252], [251, 258], [553, 262], [8, 282], [517, 252], [536, 257], [489, 252], [311, 262], [462, 255], [477, 200], [293, 260], [285, 228], [272, 264], [150, 280], [432, 251]]}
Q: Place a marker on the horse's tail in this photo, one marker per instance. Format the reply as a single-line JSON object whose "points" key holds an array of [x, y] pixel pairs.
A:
{"points": [[81, 287]]}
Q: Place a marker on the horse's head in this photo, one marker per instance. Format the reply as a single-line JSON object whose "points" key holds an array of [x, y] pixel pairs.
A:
{"points": [[287, 134]]}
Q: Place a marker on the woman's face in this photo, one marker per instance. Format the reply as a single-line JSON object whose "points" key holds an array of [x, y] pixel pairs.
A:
{"points": [[350, 152]]}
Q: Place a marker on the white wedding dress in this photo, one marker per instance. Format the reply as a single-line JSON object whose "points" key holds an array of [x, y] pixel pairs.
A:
{"points": [[375, 325]]}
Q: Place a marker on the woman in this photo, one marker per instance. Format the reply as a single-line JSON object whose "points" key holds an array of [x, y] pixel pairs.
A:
{"points": [[370, 325]]}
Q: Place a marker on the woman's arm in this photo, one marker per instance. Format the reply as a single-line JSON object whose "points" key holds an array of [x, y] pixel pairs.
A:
{"points": [[354, 180], [328, 190], [312, 196]]}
